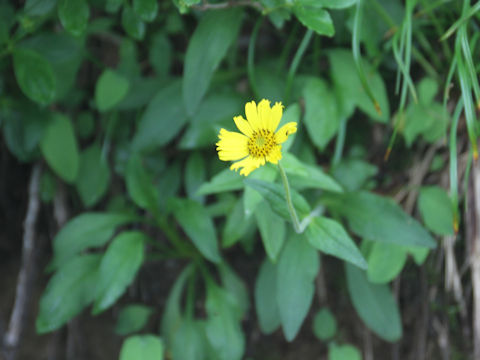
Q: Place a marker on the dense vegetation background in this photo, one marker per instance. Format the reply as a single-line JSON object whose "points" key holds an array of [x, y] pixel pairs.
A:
{"points": [[122, 234]]}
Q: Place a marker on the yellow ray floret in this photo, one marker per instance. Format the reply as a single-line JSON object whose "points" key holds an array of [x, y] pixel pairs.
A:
{"points": [[259, 141]]}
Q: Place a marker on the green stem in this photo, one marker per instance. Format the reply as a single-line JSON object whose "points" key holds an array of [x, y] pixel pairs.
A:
{"points": [[295, 62], [337, 156], [291, 208]]}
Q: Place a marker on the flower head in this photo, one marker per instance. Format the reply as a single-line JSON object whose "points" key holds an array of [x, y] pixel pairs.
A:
{"points": [[259, 141]]}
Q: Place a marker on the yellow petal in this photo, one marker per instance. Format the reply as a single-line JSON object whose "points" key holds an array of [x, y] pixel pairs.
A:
{"points": [[252, 115], [232, 145], [264, 114], [282, 134], [277, 111], [248, 165], [243, 125], [275, 154]]}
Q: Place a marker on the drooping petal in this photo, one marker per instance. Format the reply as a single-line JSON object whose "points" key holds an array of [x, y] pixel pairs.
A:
{"points": [[247, 165], [282, 134], [277, 112], [275, 154], [252, 115], [243, 125], [232, 145], [264, 114]]}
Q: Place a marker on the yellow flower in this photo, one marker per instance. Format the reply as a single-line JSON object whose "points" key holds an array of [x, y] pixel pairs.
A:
{"points": [[258, 142]]}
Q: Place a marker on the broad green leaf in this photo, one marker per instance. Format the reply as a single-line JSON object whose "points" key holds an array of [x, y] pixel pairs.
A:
{"points": [[330, 237], [132, 318], [60, 149], [93, 176], [172, 315], [343, 352], [132, 23], [419, 254], [223, 328], [74, 15], [296, 271], [430, 121], [272, 229], [385, 261], [353, 173], [324, 324], [266, 298], [225, 180], [236, 225], [140, 184], [146, 9], [68, 292], [110, 89], [195, 174], [321, 115], [189, 341], [314, 18], [85, 231], [291, 114], [112, 6], [199, 227], [374, 304], [350, 89], [142, 347], [427, 89], [252, 197], [160, 53], [379, 218], [436, 209], [236, 287], [303, 176], [118, 268], [39, 7], [162, 120], [274, 194], [215, 33], [34, 75], [329, 4]]}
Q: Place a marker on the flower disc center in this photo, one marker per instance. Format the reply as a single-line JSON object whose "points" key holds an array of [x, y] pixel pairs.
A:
{"points": [[261, 143]]}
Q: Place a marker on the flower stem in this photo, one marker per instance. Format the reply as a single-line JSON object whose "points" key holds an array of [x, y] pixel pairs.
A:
{"points": [[291, 208]]}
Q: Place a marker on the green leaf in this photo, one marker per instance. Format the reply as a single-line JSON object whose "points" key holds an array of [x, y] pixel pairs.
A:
{"points": [[297, 268], [350, 89], [146, 9], [132, 318], [39, 7], [353, 173], [330, 237], [385, 261], [236, 287], [110, 89], [303, 176], [275, 196], [192, 333], [225, 180], [74, 15], [321, 115], [223, 328], [142, 347], [315, 18], [427, 89], [118, 268], [195, 175], [215, 33], [85, 231], [132, 23], [272, 229], [378, 218], [343, 352], [436, 209], [93, 176], [162, 120], [34, 75], [140, 184], [68, 292], [160, 54], [266, 298], [374, 304], [199, 227], [251, 196], [291, 114], [419, 254], [60, 149], [236, 225], [324, 324]]}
